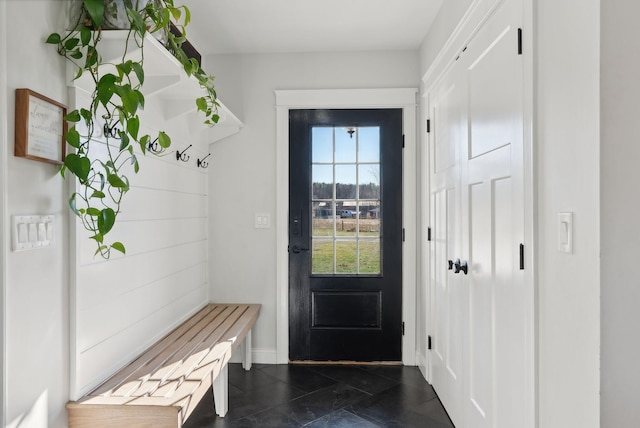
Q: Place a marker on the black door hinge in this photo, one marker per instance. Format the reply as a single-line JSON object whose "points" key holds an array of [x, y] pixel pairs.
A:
{"points": [[403, 328], [521, 256], [403, 234], [428, 126], [429, 342], [403, 141], [428, 234], [519, 41]]}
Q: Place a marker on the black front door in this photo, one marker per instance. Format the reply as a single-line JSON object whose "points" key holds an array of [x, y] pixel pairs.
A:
{"points": [[345, 235]]}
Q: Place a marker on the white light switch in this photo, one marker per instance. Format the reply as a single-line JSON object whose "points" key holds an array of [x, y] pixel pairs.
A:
{"points": [[31, 231], [262, 221], [565, 232]]}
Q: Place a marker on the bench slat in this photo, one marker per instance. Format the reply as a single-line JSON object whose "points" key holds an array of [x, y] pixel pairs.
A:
{"points": [[147, 378], [153, 354]]}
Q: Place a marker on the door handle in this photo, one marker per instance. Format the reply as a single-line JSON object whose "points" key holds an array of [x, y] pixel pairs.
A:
{"points": [[461, 266], [297, 249], [450, 264]]}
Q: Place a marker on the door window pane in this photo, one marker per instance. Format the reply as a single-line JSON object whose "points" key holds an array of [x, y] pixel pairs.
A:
{"points": [[345, 145], [346, 258], [322, 144], [369, 144], [322, 257], [346, 201]]}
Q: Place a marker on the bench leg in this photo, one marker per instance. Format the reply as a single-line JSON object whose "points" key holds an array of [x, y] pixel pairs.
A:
{"points": [[221, 391], [246, 351]]}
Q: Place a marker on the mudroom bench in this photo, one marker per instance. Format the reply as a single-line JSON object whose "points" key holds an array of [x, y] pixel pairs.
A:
{"points": [[162, 387]]}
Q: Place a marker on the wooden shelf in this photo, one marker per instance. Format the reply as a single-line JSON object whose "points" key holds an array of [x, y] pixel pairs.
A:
{"points": [[167, 88]]}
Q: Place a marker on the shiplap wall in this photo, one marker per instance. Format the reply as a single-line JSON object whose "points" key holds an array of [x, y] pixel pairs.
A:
{"points": [[121, 306]]}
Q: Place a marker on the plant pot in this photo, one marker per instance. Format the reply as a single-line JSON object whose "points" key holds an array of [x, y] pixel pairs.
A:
{"points": [[115, 14]]}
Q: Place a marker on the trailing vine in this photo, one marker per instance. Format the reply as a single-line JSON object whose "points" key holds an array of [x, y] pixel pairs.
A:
{"points": [[114, 109]]}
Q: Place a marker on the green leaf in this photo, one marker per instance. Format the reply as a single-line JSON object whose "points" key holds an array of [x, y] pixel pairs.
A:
{"points": [[97, 194], [54, 39], [137, 22], [116, 181], [73, 138], [85, 35], [164, 140], [78, 165], [76, 54], [106, 88], [86, 114], [118, 246], [73, 116], [176, 13], [98, 238], [71, 43], [78, 74], [100, 249], [94, 212], [202, 104], [95, 8], [124, 140], [72, 204], [133, 126], [106, 220], [92, 57], [144, 142], [137, 68]]}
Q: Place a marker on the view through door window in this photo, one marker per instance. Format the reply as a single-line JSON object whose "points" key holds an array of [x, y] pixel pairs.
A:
{"points": [[345, 205]]}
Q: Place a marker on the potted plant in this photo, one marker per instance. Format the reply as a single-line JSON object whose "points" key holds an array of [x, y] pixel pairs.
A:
{"points": [[115, 104]]}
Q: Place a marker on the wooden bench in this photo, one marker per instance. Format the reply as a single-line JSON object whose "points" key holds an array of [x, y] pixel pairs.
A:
{"points": [[162, 387]]}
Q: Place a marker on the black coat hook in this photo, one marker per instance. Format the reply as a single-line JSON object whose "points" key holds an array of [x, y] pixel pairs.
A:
{"points": [[111, 131], [181, 155], [202, 163], [155, 147]]}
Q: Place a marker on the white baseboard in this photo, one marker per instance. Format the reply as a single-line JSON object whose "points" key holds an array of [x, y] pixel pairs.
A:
{"points": [[422, 365]]}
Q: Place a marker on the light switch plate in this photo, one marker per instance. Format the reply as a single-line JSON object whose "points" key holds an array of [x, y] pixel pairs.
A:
{"points": [[565, 232], [262, 221], [31, 231]]}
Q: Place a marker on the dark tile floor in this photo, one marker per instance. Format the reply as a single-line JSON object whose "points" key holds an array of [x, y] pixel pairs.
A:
{"points": [[325, 396]]}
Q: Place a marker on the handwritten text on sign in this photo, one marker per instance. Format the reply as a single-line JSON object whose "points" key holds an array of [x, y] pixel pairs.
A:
{"points": [[45, 129]]}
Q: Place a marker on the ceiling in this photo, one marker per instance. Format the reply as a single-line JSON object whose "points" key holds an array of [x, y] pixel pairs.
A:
{"points": [[275, 26]]}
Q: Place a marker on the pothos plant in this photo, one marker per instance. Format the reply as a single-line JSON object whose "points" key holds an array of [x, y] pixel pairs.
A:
{"points": [[116, 101]]}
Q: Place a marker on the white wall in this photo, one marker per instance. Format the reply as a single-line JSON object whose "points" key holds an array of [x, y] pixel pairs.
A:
{"points": [[242, 176], [567, 154], [37, 323], [620, 232]]}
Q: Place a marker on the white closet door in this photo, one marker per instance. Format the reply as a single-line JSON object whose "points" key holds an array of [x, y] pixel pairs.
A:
{"points": [[481, 319], [448, 294]]}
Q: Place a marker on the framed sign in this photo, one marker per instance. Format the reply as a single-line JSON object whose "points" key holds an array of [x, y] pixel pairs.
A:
{"points": [[40, 127]]}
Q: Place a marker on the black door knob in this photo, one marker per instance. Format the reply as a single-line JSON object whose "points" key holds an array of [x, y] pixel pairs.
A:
{"points": [[461, 266]]}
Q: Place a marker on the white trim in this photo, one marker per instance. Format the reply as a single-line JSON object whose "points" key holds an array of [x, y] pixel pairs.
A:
{"points": [[476, 15], [404, 98], [4, 137]]}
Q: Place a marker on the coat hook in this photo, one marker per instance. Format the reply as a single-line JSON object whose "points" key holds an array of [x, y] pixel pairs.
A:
{"points": [[202, 163], [111, 131], [156, 148], [181, 155]]}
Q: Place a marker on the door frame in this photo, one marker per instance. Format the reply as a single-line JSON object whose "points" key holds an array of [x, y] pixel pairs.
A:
{"points": [[404, 98]]}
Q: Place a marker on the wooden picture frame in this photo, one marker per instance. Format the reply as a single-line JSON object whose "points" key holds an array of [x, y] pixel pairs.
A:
{"points": [[40, 129]]}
